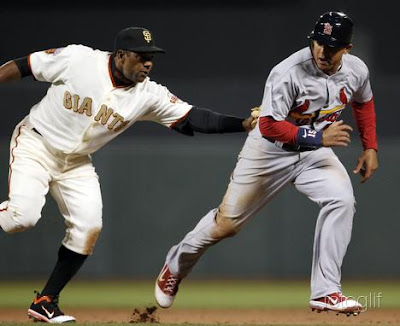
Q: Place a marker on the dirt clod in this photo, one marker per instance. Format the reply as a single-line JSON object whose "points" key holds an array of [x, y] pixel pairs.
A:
{"points": [[144, 315]]}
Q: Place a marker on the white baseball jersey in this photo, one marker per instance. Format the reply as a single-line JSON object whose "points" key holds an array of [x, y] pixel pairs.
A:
{"points": [[297, 91], [83, 110]]}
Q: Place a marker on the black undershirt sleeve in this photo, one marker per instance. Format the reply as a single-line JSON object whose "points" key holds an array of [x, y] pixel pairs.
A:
{"points": [[23, 66], [207, 121]]}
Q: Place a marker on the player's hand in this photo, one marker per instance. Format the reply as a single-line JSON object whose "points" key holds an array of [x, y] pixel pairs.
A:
{"points": [[337, 134], [250, 122], [367, 164]]}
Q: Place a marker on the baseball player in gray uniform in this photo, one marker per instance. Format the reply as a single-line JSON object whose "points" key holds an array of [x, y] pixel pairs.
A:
{"points": [[93, 97], [303, 98]]}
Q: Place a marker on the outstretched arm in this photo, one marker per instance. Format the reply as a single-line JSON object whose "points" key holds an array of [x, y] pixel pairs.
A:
{"points": [[9, 72], [15, 69], [207, 121]]}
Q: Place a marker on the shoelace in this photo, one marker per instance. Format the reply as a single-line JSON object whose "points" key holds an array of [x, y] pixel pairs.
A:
{"points": [[171, 285]]}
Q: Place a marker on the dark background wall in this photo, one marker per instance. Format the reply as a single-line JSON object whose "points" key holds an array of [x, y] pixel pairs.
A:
{"points": [[155, 188]]}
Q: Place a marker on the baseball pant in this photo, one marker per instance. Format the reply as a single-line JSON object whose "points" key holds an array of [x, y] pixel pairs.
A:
{"points": [[262, 171], [36, 168]]}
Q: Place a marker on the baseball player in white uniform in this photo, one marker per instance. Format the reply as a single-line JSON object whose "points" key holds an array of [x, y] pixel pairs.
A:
{"points": [[94, 96], [303, 98]]}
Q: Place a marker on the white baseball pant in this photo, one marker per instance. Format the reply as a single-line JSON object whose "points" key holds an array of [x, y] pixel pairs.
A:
{"points": [[36, 168]]}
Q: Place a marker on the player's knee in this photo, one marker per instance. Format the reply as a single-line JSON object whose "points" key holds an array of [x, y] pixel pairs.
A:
{"points": [[91, 239], [346, 202], [225, 227], [19, 219], [349, 203], [96, 224], [346, 198], [92, 233], [26, 222]]}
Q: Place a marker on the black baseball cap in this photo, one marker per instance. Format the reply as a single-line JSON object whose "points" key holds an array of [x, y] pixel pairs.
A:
{"points": [[136, 39]]}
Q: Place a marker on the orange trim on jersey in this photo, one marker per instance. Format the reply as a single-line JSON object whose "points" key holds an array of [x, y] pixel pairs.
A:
{"points": [[180, 119], [30, 66], [10, 166], [29, 62], [110, 72], [118, 79]]}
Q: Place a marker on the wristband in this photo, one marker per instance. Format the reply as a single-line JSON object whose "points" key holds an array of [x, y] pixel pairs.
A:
{"points": [[23, 66], [309, 137]]}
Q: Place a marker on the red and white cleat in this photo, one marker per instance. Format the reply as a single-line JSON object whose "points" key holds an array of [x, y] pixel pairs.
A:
{"points": [[337, 302], [166, 288]]}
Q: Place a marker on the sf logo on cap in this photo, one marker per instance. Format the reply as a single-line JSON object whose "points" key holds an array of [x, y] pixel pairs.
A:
{"points": [[328, 29], [147, 36]]}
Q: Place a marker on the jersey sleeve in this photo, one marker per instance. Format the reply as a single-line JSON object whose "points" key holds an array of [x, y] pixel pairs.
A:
{"points": [[278, 96], [50, 65], [364, 92], [167, 108]]}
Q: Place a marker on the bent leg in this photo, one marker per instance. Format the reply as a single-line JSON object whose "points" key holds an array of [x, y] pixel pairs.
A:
{"points": [[79, 199], [261, 172], [326, 182], [28, 186], [251, 187]]}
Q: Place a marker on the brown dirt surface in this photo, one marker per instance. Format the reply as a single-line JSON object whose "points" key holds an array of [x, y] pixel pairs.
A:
{"points": [[144, 315], [377, 316]]}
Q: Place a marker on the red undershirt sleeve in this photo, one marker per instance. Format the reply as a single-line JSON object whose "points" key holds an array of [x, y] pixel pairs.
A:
{"points": [[364, 115], [282, 131]]}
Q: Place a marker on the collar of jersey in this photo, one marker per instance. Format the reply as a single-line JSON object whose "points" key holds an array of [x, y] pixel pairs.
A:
{"points": [[117, 79]]}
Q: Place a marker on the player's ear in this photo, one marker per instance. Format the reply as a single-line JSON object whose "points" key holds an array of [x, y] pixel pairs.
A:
{"points": [[349, 47], [119, 56]]}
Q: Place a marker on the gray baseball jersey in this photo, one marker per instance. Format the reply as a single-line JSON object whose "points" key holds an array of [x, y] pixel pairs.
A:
{"points": [[296, 91]]}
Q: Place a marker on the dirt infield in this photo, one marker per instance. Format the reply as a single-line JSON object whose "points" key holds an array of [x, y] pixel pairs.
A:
{"points": [[267, 316]]}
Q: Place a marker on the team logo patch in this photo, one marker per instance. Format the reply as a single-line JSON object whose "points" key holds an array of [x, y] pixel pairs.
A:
{"points": [[147, 36], [53, 51], [328, 29], [173, 98]]}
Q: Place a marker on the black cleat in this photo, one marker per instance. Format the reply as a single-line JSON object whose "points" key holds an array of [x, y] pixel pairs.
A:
{"points": [[45, 308]]}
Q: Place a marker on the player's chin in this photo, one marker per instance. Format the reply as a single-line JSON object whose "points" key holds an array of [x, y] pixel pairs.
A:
{"points": [[141, 78], [324, 65]]}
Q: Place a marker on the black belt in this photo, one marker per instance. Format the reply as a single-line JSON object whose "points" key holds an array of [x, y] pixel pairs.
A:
{"points": [[296, 148], [34, 129]]}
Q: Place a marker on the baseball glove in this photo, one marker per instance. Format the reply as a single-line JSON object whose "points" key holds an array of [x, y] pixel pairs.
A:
{"points": [[255, 113]]}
